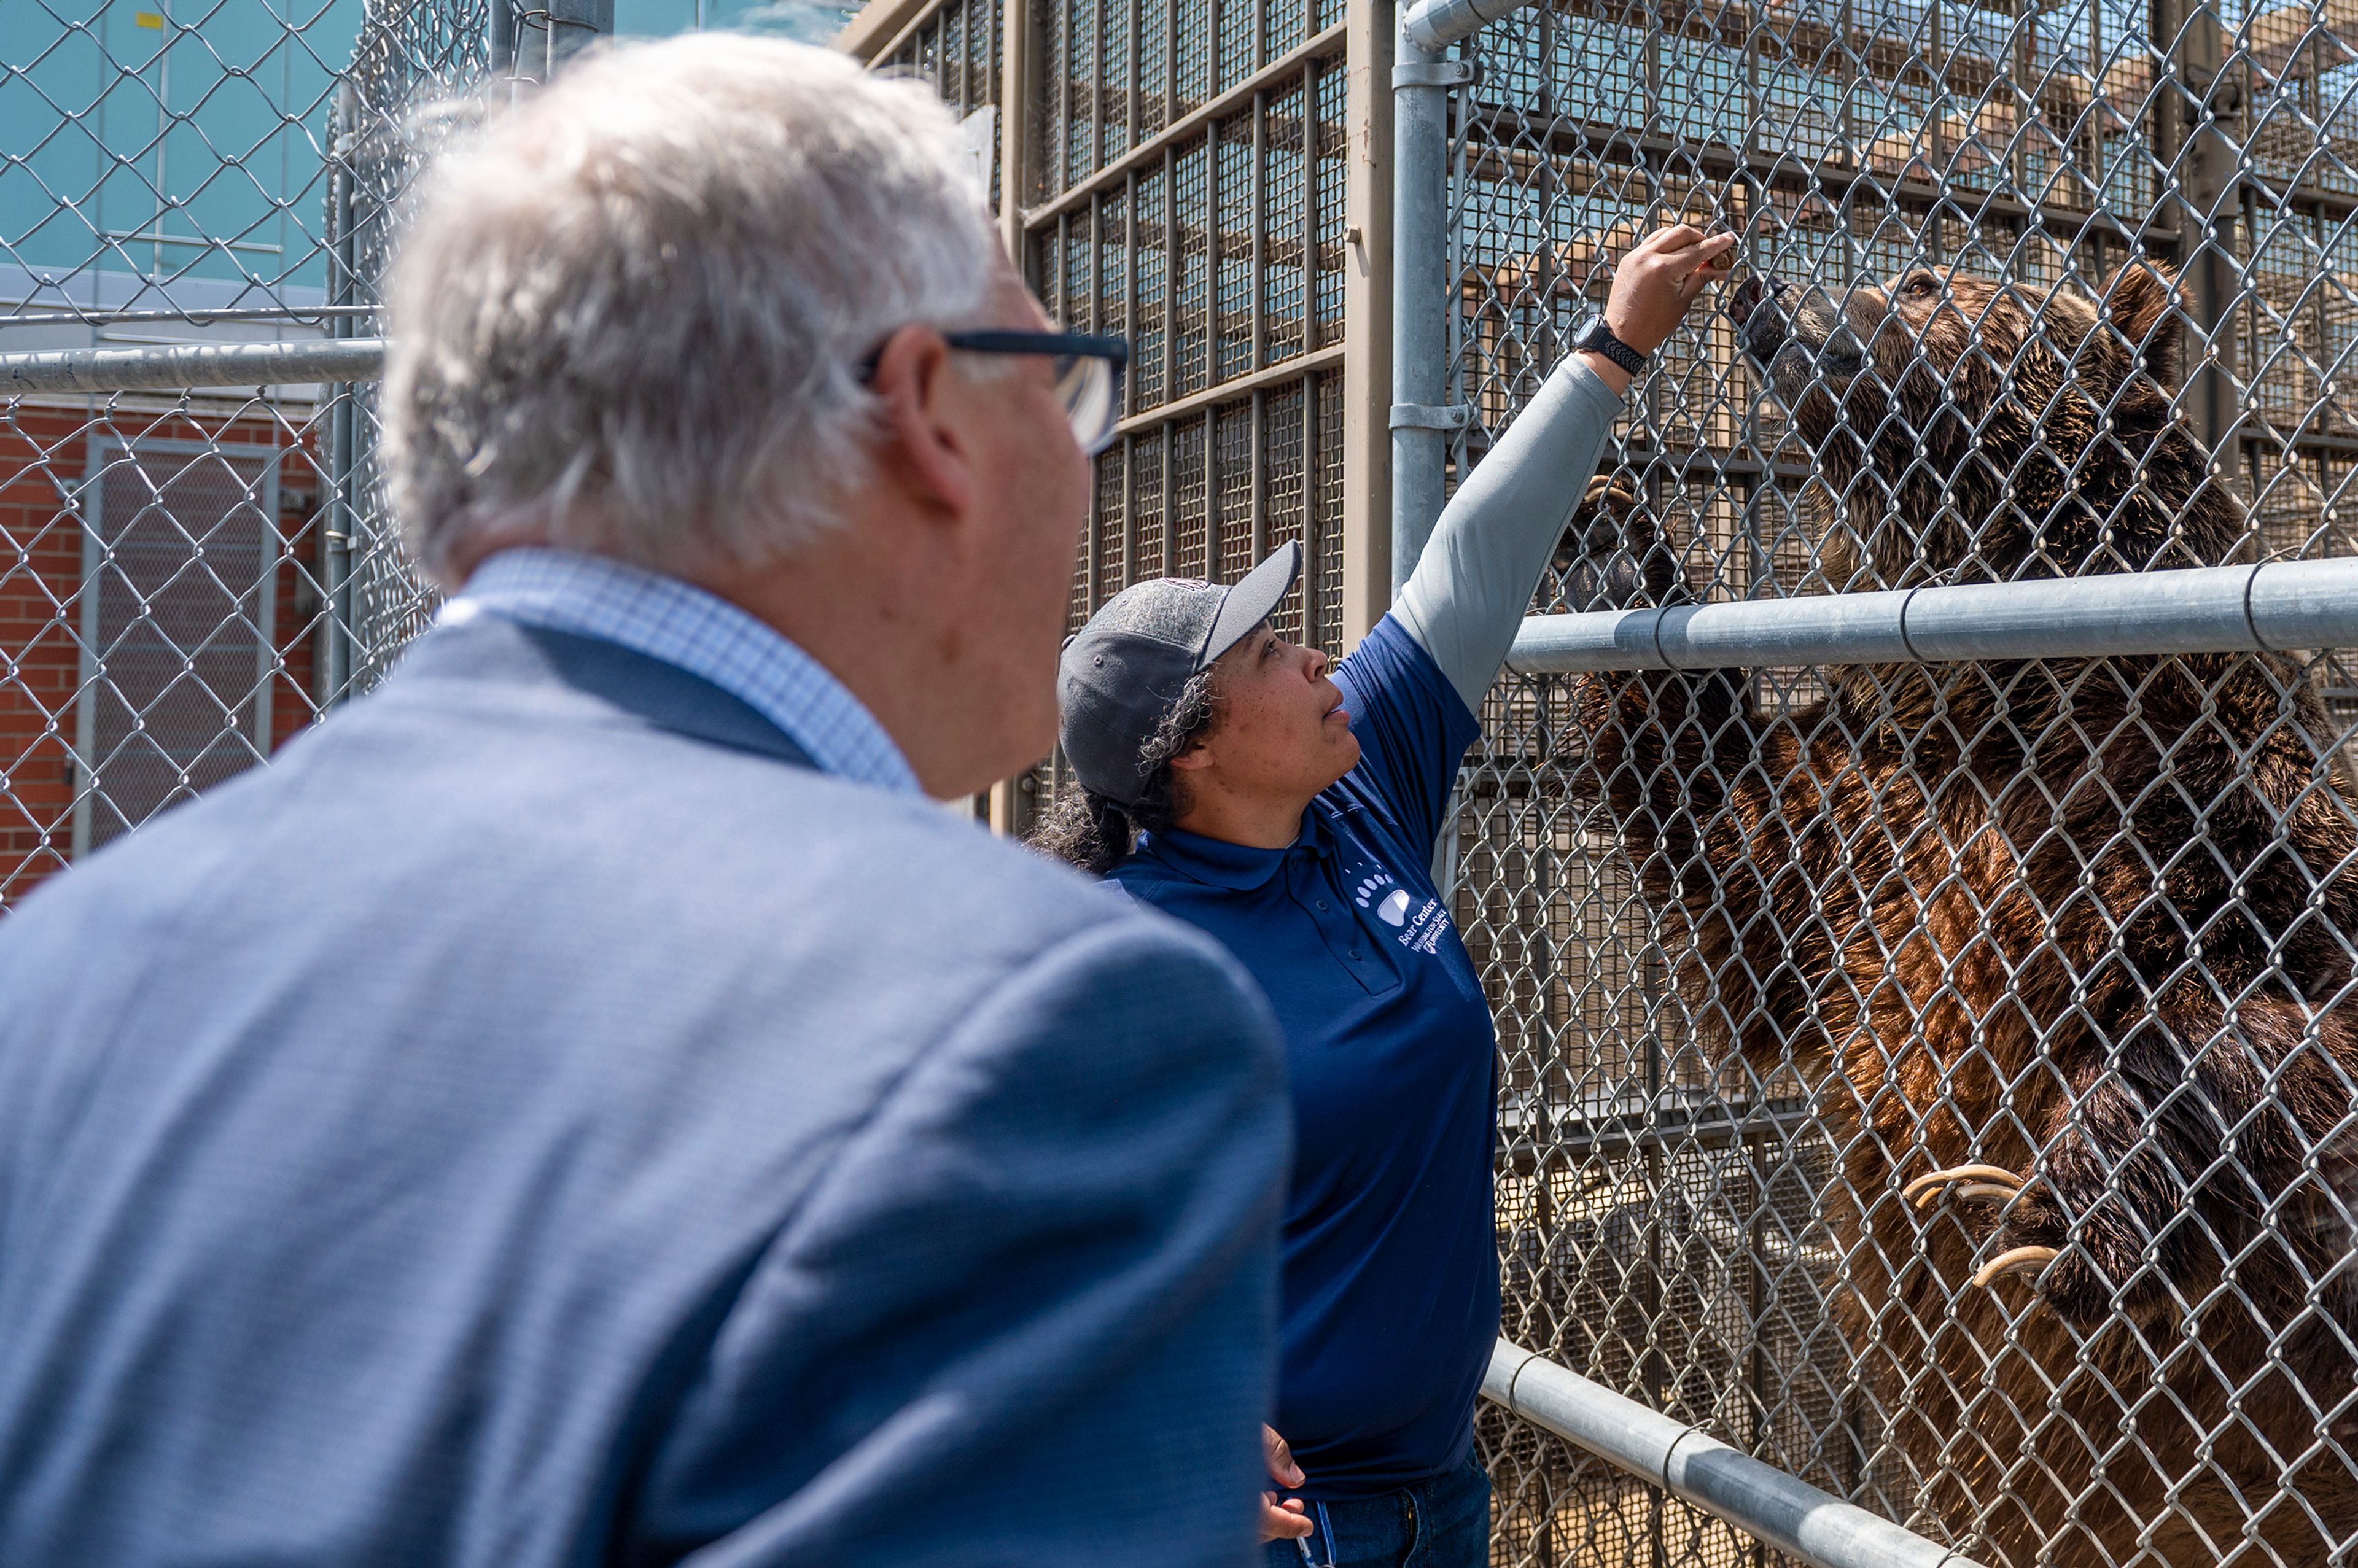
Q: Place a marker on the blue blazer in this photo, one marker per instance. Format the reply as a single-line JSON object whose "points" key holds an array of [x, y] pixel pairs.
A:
{"points": [[539, 1121]]}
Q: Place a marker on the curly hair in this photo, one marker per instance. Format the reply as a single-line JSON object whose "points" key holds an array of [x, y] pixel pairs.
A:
{"points": [[1091, 832]]}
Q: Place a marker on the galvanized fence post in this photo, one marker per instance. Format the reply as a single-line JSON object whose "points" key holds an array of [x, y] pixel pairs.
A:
{"points": [[1420, 418], [338, 516]]}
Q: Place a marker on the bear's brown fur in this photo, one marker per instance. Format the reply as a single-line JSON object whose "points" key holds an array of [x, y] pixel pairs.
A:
{"points": [[2085, 923]]}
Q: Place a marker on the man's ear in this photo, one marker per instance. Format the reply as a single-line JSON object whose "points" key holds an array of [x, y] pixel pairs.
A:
{"points": [[921, 444], [2144, 306]]}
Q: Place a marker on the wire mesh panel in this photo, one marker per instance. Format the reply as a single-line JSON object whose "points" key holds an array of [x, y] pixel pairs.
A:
{"points": [[166, 160], [1938, 1080], [411, 63], [1207, 229], [958, 49]]}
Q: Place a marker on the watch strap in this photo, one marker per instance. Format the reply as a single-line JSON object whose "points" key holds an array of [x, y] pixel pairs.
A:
{"points": [[1599, 339]]}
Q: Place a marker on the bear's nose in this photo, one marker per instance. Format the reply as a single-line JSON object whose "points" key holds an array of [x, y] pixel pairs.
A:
{"points": [[1758, 309]]}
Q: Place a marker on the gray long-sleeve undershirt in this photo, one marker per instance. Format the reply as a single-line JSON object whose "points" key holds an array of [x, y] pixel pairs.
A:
{"points": [[1473, 583]]}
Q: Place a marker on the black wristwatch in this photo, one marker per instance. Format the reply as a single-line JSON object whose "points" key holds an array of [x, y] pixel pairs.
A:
{"points": [[1599, 339]]}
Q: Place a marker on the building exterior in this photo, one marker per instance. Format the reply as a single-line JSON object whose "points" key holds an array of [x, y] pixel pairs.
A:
{"points": [[170, 600], [166, 184]]}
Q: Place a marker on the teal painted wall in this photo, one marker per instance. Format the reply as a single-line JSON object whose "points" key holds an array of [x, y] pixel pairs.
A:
{"points": [[810, 21], [175, 132], [206, 127]]}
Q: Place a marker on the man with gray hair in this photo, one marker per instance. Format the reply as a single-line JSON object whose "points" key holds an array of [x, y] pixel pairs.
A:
{"points": [[583, 1104]]}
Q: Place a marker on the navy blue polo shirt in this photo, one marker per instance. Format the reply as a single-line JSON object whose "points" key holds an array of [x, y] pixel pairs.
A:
{"points": [[1391, 1277]]}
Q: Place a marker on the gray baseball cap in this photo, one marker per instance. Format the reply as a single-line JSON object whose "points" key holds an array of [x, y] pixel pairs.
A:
{"points": [[1122, 672]]}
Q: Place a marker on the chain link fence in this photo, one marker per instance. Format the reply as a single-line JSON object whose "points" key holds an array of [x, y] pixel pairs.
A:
{"points": [[1771, 948], [190, 576], [1767, 947]]}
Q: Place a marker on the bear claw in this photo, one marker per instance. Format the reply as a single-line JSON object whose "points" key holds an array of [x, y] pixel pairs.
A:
{"points": [[1982, 1182], [2029, 1261]]}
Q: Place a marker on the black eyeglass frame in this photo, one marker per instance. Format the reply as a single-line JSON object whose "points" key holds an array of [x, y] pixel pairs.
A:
{"points": [[1055, 345]]}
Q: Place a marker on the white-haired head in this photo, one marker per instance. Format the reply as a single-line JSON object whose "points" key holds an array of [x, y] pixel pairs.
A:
{"points": [[629, 316]]}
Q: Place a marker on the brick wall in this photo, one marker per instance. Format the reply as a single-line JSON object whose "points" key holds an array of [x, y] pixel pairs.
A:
{"points": [[44, 454]]}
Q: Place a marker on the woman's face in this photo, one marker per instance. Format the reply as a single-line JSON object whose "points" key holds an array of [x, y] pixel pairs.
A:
{"points": [[1282, 733]]}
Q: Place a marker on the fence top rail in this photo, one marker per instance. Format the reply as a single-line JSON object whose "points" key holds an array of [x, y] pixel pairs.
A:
{"points": [[1434, 25], [192, 366], [2279, 606], [1763, 1501]]}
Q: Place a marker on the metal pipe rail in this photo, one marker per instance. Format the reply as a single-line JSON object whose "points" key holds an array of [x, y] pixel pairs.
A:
{"points": [[2280, 606], [1435, 25], [1421, 417], [192, 366], [1726, 1483]]}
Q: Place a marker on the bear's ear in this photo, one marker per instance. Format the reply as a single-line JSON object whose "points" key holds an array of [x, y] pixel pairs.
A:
{"points": [[2143, 304]]}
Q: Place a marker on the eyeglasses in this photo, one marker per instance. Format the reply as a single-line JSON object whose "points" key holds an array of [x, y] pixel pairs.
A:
{"points": [[1088, 372]]}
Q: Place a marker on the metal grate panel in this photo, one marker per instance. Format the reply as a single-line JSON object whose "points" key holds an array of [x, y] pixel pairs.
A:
{"points": [[181, 547], [1216, 243]]}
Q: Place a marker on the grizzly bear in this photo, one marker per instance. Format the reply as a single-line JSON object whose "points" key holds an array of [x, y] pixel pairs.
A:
{"points": [[2063, 944]]}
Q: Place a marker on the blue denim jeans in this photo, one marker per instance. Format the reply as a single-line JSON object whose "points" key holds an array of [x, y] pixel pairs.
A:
{"points": [[1441, 1523]]}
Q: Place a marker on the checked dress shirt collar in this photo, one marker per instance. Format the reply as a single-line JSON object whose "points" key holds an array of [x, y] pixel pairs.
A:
{"points": [[667, 618]]}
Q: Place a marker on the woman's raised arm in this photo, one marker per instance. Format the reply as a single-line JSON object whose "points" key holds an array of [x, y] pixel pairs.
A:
{"points": [[1472, 585]]}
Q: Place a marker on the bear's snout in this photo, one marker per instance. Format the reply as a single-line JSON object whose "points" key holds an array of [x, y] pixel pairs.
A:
{"points": [[1795, 338], [1759, 318]]}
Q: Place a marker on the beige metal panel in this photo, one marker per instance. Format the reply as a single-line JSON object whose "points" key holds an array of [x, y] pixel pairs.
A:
{"points": [[1019, 48], [1366, 325], [879, 24], [1014, 800]]}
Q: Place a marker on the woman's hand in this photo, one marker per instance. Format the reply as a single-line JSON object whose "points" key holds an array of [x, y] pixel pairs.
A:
{"points": [[1286, 1520], [1655, 281]]}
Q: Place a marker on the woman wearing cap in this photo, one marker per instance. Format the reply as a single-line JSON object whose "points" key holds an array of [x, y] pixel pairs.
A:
{"points": [[1230, 779]]}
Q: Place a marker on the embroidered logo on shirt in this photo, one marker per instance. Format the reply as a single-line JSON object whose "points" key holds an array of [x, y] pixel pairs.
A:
{"points": [[1421, 934]]}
